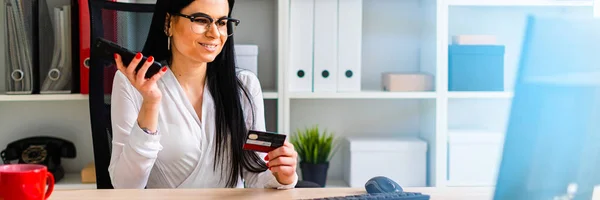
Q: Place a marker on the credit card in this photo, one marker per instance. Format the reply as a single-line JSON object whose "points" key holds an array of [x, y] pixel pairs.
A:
{"points": [[263, 141]]}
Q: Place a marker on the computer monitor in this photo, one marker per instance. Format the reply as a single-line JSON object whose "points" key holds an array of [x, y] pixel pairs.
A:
{"points": [[552, 141]]}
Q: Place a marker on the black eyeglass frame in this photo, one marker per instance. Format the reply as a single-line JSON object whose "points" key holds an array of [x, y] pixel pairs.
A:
{"points": [[193, 18]]}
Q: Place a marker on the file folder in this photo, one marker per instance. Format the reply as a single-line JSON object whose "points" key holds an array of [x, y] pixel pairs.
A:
{"points": [[84, 46], [325, 46], [301, 45], [22, 43], [57, 75], [349, 45], [109, 32], [47, 49]]}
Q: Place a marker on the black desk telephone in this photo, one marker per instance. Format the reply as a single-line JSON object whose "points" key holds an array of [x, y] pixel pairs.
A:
{"points": [[40, 150]]}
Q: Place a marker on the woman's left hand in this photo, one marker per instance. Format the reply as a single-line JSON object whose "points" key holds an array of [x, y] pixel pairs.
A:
{"points": [[282, 163]]}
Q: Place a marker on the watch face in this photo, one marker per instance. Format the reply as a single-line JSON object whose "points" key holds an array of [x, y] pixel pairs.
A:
{"points": [[34, 154]]}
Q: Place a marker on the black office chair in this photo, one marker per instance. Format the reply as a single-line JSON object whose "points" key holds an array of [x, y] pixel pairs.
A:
{"points": [[126, 24]]}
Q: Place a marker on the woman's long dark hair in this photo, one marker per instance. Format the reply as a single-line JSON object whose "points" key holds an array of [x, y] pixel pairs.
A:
{"points": [[224, 87]]}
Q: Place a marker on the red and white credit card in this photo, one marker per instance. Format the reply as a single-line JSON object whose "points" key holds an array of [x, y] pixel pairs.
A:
{"points": [[263, 141]]}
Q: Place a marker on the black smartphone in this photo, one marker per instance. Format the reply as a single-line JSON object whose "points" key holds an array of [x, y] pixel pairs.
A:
{"points": [[106, 49]]}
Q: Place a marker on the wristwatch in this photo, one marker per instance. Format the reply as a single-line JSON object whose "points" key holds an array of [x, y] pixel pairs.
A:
{"points": [[147, 131]]}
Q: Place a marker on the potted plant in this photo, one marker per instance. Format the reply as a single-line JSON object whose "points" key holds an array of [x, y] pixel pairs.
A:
{"points": [[315, 149]]}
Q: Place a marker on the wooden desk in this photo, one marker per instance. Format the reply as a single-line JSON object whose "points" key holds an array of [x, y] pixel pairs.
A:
{"points": [[262, 194]]}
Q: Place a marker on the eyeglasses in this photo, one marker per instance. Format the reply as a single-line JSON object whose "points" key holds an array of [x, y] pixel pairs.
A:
{"points": [[202, 22]]}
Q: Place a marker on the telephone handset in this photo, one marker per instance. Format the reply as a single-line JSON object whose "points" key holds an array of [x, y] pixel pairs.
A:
{"points": [[43, 150]]}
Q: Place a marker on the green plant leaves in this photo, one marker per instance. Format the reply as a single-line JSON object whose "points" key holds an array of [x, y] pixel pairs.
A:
{"points": [[314, 146]]}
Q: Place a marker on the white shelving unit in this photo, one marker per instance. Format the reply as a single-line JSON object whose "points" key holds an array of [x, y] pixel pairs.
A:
{"points": [[487, 112], [584, 3], [44, 97], [72, 181], [480, 95], [398, 35], [363, 95], [432, 24], [78, 97]]}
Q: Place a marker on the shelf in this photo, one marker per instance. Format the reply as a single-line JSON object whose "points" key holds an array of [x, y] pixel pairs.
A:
{"points": [[270, 95], [334, 183], [363, 95], [480, 95], [72, 181], [42, 97], [520, 3]]}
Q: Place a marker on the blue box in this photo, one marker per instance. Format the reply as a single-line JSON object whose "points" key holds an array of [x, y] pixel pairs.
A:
{"points": [[476, 68]]}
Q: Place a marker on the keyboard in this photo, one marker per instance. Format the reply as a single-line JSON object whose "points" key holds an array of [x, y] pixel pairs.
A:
{"points": [[381, 196]]}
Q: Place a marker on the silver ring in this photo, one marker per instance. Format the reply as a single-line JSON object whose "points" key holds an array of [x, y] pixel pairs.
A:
{"points": [[17, 75], [54, 78], [86, 63]]}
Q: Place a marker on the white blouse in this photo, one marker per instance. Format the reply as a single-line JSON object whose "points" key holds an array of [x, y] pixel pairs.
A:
{"points": [[181, 155]]}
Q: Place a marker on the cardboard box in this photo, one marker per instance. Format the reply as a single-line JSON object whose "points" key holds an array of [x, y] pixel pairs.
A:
{"points": [[88, 173], [402, 159], [401, 82], [247, 57], [474, 157], [474, 40], [476, 68]]}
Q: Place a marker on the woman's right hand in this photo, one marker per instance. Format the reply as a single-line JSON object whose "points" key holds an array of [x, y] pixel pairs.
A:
{"points": [[146, 86]]}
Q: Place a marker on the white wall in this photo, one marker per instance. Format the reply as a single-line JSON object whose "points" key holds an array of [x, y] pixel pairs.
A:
{"points": [[259, 26], [392, 39]]}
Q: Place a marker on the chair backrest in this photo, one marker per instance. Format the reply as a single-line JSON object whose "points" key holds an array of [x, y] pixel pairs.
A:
{"points": [[126, 24]]}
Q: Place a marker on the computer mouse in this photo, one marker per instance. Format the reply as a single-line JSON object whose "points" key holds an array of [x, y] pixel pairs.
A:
{"points": [[382, 184]]}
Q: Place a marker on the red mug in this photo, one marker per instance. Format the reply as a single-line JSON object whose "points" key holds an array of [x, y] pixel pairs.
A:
{"points": [[25, 182]]}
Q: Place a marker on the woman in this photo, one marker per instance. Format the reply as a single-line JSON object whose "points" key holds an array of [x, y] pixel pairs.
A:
{"points": [[185, 126]]}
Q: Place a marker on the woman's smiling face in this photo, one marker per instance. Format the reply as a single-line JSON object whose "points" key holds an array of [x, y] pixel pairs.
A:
{"points": [[200, 40]]}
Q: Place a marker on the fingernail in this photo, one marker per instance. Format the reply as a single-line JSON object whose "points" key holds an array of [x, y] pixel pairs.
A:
{"points": [[164, 69], [150, 59], [268, 165], [116, 56], [267, 157], [138, 55]]}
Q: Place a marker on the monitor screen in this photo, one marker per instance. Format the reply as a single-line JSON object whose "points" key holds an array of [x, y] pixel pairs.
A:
{"points": [[552, 144]]}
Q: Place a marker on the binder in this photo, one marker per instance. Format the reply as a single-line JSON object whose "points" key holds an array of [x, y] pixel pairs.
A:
{"points": [[84, 46], [57, 75], [22, 47], [109, 32], [325, 46], [349, 45], [301, 45], [47, 49]]}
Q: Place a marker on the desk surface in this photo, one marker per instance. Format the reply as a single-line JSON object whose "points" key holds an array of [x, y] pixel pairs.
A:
{"points": [[298, 193]]}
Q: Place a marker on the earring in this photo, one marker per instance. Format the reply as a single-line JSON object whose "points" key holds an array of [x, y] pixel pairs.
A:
{"points": [[168, 43]]}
